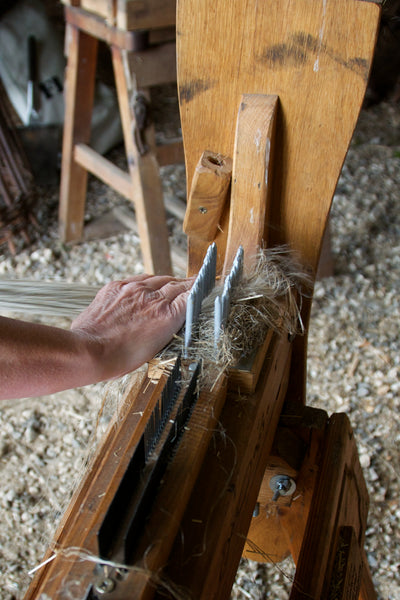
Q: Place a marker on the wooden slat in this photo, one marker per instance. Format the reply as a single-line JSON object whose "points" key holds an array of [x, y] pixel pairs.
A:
{"points": [[145, 14], [78, 529], [104, 169], [95, 26], [340, 500], [208, 194], [164, 523], [145, 177], [251, 177], [79, 95]]}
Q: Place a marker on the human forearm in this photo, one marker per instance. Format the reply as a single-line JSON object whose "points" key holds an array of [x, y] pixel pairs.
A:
{"points": [[38, 359], [126, 325]]}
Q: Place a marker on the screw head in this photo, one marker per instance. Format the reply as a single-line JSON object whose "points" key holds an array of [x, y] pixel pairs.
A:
{"points": [[105, 586], [282, 485]]}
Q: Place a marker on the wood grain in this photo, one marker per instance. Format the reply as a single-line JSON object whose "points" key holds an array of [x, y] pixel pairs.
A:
{"points": [[340, 500], [207, 209], [251, 177], [316, 56], [79, 526], [146, 191], [213, 532], [79, 95]]}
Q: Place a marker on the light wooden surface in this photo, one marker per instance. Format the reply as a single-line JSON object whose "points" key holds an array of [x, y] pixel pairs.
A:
{"points": [[251, 178], [315, 55], [79, 85], [207, 208]]}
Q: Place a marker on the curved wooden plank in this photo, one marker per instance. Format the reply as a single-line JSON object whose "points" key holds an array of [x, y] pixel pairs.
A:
{"points": [[316, 56]]}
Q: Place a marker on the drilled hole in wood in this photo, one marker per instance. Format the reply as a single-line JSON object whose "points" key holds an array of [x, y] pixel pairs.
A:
{"points": [[215, 161]]}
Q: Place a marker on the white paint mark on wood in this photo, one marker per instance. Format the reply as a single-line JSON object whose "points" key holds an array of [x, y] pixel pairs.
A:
{"points": [[267, 157], [257, 140], [252, 221], [320, 37]]}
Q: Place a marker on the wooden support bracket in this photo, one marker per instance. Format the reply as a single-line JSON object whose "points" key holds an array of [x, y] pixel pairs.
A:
{"points": [[208, 208], [251, 177]]}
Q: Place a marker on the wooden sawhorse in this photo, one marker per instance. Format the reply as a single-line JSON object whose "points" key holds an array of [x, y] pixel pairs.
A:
{"points": [[135, 70]]}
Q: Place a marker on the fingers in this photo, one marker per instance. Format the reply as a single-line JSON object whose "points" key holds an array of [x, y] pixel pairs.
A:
{"points": [[172, 290], [156, 282], [164, 286]]}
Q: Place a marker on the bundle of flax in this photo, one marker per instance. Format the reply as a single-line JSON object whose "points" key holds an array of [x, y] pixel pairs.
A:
{"points": [[45, 298]]}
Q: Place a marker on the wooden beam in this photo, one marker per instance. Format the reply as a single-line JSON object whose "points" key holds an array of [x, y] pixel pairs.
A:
{"points": [[79, 92], [104, 169], [251, 177], [145, 14]]}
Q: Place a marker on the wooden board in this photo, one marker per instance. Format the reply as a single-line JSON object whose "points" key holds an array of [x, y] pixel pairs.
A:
{"points": [[316, 56], [213, 532], [340, 500], [251, 177], [207, 209]]}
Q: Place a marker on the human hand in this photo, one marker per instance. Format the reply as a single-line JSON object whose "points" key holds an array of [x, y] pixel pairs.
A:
{"points": [[129, 321]]}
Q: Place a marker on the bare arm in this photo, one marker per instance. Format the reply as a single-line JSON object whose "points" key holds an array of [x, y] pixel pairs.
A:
{"points": [[126, 324]]}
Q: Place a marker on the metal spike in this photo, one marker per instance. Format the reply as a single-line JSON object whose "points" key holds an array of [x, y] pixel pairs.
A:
{"points": [[203, 285], [222, 303], [217, 320]]}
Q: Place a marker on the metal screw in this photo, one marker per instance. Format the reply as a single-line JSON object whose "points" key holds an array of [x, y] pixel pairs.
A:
{"points": [[281, 485], [105, 586], [203, 210], [256, 510]]}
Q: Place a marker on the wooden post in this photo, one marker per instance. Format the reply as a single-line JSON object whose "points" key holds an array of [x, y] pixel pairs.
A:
{"points": [[146, 188], [79, 93]]}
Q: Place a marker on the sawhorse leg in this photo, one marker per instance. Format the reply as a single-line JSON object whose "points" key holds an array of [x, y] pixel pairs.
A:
{"points": [[79, 85], [143, 168]]}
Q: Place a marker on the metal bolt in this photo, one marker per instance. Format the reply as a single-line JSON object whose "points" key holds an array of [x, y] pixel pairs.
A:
{"points": [[281, 485], [105, 586]]}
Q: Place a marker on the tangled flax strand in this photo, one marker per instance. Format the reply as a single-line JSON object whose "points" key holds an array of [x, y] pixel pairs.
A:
{"points": [[269, 297]]}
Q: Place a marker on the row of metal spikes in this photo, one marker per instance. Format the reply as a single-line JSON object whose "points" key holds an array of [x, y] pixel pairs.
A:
{"points": [[203, 285]]}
